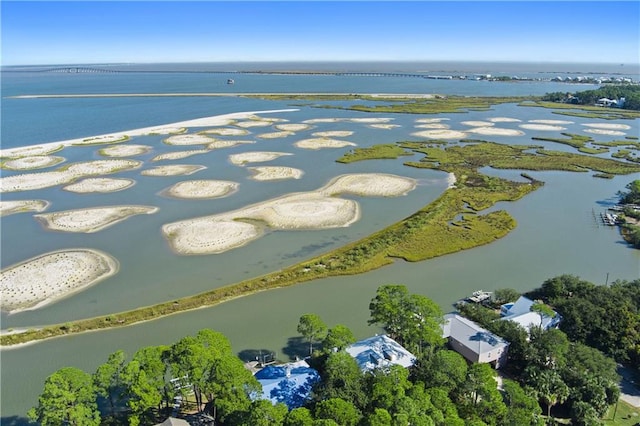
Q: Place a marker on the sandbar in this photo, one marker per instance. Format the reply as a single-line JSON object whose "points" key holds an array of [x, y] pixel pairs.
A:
{"points": [[90, 220], [545, 127], [504, 120], [478, 123], [226, 144], [333, 134], [432, 126], [167, 130], [275, 135], [105, 139], [255, 157], [371, 120], [201, 189], [253, 123], [319, 143], [179, 155], [173, 170], [30, 181], [102, 185], [551, 121], [52, 276], [318, 209], [441, 134], [29, 151], [22, 206], [188, 139], [495, 131], [609, 126], [264, 173], [225, 131], [216, 120], [605, 132], [124, 150], [324, 120], [430, 120], [384, 126], [32, 163], [292, 127]]}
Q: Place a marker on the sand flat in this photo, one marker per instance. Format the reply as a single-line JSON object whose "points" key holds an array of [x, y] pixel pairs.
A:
{"points": [[504, 120], [188, 139], [22, 206], [90, 220], [100, 185], [267, 173], [319, 209], [478, 123], [605, 132], [32, 162], [124, 150], [608, 126], [440, 134], [432, 126], [255, 157], [45, 279], [173, 170], [333, 134], [226, 131], [495, 131], [30, 151], [275, 135], [178, 155], [201, 189], [292, 127], [319, 143], [543, 127], [227, 144]]}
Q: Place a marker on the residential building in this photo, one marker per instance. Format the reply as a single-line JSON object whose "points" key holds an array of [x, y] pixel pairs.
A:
{"points": [[520, 312], [474, 342], [379, 352], [287, 383]]}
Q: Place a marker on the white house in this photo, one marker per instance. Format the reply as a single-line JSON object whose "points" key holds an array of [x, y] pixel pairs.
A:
{"points": [[380, 351], [520, 312], [474, 342]]}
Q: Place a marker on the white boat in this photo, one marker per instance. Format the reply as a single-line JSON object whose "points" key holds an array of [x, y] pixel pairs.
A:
{"points": [[230, 81]]}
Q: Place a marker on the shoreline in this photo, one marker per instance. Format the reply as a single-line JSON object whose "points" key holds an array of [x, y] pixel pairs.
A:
{"points": [[214, 120]]}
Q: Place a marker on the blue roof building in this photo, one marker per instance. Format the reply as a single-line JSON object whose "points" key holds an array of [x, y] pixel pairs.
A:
{"points": [[287, 383]]}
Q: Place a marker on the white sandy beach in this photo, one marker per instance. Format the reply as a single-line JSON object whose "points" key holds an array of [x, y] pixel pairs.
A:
{"points": [[440, 134], [179, 155], [292, 127], [189, 139], [384, 126], [608, 126], [504, 120], [90, 220], [333, 134], [551, 121], [22, 206], [432, 126], [201, 189], [124, 150], [543, 127], [430, 120], [495, 131], [227, 144], [45, 279], [605, 132], [226, 131], [473, 123], [275, 135]]}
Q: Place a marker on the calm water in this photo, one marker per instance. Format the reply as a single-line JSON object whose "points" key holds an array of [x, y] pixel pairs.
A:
{"points": [[556, 230]]}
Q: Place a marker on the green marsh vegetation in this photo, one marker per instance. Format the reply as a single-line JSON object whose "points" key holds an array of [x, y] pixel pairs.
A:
{"points": [[586, 111]]}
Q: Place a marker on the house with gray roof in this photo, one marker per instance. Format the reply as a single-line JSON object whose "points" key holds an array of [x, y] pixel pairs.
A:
{"points": [[520, 312], [474, 342]]}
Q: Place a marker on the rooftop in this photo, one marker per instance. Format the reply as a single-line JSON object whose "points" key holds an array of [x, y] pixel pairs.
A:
{"points": [[380, 351]]}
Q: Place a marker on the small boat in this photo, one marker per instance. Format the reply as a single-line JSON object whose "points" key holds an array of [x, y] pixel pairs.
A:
{"points": [[479, 296], [230, 81]]}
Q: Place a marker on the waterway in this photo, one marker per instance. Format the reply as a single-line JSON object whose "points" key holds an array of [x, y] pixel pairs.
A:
{"points": [[558, 231]]}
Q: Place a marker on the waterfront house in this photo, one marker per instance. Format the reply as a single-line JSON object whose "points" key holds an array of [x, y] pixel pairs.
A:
{"points": [[520, 312], [287, 383], [380, 352], [474, 342]]}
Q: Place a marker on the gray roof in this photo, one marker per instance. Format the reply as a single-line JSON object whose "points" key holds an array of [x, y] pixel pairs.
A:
{"points": [[471, 335], [172, 421]]}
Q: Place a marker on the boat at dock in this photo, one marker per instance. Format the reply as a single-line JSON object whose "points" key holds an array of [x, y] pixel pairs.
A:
{"points": [[479, 296]]}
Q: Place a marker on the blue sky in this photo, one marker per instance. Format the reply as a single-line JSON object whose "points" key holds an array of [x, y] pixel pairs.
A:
{"points": [[209, 31]]}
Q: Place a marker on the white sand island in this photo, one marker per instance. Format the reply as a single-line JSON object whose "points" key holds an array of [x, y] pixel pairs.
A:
{"points": [[227, 144], [605, 132], [188, 139], [225, 131], [333, 134], [319, 143], [179, 155], [31, 181], [478, 123], [32, 163], [543, 127], [292, 127], [124, 150], [318, 209], [495, 131], [173, 170], [504, 120], [90, 220], [608, 126], [22, 206], [101, 185], [265, 173], [255, 157], [440, 134], [275, 135], [45, 279], [201, 189], [432, 126]]}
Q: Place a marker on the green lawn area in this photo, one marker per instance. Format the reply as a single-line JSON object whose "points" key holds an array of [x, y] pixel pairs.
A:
{"points": [[626, 415]]}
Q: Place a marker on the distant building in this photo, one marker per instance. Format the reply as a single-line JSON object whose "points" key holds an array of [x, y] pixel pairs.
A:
{"points": [[172, 421], [287, 383], [379, 352], [520, 312], [474, 342]]}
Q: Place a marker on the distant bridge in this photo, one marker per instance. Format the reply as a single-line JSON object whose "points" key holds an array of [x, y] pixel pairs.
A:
{"points": [[94, 70]]}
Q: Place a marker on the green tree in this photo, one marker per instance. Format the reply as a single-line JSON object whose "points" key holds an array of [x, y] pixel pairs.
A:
{"points": [[445, 369], [312, 328], [379, 417], [387, 309], [342, 378], [505, 295], [152, 361], [264, 413], [140, 393], [68, 398], [479, 397], [338, 337], [632, 196], [107, 378], [522, 407], [550, 388], [340, 411], [300, 416]]}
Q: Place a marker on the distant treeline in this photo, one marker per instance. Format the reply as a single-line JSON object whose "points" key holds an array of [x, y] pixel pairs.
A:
{"points": [[630, 92]]}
